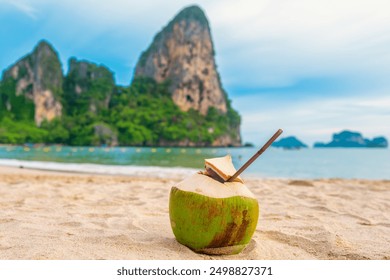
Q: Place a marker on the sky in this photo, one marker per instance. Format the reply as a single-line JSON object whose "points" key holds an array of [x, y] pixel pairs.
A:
{"points": [[312, 68]]}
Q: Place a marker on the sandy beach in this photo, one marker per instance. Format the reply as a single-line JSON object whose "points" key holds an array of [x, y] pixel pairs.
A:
{"points": [[54, 215]]}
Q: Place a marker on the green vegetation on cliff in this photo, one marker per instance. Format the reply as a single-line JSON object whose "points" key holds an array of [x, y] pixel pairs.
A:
{"points": [[88, 87], [146, 115], [141, 114], [13, 106]]}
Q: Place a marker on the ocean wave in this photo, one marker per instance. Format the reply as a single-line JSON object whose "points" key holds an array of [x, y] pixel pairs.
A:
{"points": [[125, 170]]}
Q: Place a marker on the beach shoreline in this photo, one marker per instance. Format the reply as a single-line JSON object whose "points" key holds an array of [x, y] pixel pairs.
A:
{"points": [[66, 215], [99, 169]]}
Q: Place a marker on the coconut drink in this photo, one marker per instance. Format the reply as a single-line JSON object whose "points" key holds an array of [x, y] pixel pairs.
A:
{"points": [[212, 211], [210, 215]]}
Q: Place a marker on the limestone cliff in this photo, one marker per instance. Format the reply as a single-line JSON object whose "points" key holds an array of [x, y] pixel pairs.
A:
{"points": [[38, 77], [183, 53], [186, 107], [88, 87]]}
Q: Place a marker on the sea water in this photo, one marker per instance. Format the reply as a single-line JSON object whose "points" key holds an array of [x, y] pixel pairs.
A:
{"points": [[274, 163]]}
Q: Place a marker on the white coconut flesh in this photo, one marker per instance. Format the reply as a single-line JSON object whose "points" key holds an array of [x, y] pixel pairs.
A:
{"points": [[205, 183], [207, 186], [222, 167]]}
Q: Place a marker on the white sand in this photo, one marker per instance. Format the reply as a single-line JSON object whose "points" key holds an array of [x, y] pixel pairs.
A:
{"points": [[53, 215]]}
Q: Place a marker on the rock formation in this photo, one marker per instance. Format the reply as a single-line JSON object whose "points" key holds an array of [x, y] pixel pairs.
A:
{"points": [[38, 77], [378, 142], [104, 135], [289, 143], [350, 139], [95, 111], [183, 54], [88, 86]]}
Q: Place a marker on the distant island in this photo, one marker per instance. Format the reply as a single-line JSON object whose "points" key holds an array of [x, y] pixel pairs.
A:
{"points": [[175, 99], [350, 139], [289, 143]]}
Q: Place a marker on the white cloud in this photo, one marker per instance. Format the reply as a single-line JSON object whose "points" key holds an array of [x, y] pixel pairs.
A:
{"points": [[260, 43], [286, 40], [23, 6]]}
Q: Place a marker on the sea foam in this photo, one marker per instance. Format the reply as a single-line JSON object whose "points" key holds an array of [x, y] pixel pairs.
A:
{"points": [[124, 170]]}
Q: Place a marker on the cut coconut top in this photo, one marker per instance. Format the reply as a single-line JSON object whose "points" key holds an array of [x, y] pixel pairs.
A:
{"points": [[221, 168], [205, 185]]}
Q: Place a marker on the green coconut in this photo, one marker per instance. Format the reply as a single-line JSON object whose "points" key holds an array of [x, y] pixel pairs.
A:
{"points": [[210, 215]]}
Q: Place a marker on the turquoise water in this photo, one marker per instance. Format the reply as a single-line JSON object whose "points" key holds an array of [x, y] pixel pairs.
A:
{"points": [[305, 163]]}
